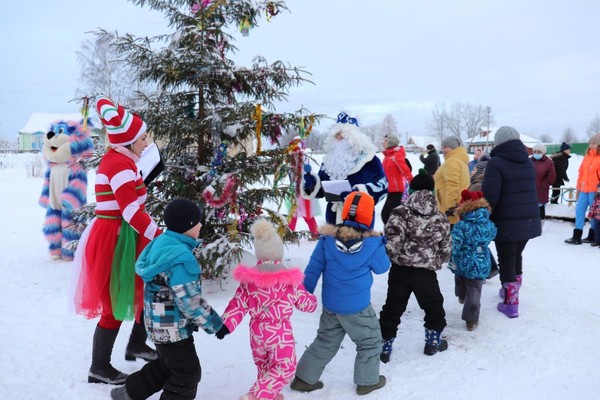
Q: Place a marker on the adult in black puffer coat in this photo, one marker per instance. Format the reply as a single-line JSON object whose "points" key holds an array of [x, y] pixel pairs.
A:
{"points": [[509, 187]]}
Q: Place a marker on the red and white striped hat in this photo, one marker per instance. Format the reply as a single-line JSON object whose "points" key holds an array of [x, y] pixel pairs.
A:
{"points": [[123, 127]]}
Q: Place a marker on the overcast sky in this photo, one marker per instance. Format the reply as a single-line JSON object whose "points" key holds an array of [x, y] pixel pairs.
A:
{"points": [[535, 62]]}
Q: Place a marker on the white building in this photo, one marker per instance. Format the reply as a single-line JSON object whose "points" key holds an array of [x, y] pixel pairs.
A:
{"points": [[485, 141]]}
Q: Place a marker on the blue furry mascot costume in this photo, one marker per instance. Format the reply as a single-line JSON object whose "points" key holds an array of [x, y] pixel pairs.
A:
{"points": [[350, 155], [65, 184]]}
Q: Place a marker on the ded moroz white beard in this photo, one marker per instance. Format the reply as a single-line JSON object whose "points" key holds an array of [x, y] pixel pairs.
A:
{"points": [[340, 160]]}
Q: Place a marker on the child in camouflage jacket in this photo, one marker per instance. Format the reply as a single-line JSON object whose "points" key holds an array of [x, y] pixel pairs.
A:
{"points": [[418, 242]]}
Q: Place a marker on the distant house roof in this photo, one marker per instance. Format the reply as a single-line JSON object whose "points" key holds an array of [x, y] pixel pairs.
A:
{"points": [[40, 122], [419, 141], [482, 138]]}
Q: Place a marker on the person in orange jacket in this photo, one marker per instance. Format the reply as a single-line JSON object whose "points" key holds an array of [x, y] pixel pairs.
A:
{"points": [[587, 182]]}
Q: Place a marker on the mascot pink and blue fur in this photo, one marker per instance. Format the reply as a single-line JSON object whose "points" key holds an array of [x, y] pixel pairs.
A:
{"points": [[65, 184]]}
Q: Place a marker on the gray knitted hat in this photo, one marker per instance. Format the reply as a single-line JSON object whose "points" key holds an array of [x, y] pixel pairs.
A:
{"points": [[391, 140], [451, 142], [504, 134]]}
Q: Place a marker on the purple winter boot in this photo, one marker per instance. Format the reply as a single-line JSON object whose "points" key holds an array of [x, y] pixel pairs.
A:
{"points": [[519, 281], [510, 305]]}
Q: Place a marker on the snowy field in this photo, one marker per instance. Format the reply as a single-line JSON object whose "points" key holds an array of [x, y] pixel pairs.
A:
{"points": [[549, 352]]}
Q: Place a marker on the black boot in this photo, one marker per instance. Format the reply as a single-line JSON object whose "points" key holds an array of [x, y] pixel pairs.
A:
{"points": [[590, 237], [137, 347], [434, 342], [576, 239], [101, 370]]}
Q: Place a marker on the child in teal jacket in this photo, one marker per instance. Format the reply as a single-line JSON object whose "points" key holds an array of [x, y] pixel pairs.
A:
{"points": [[173, 308], [471, 258]]}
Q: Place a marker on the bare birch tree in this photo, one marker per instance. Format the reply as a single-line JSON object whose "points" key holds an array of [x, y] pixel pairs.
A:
{"points": [[463, 120], [104, 70], [568, 135], [438, 125], [594, 126]]}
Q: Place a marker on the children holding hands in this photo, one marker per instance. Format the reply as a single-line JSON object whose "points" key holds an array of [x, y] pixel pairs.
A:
{"points": [[417, 241]]}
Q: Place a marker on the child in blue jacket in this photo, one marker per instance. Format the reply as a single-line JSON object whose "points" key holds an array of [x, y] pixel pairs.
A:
{"points": [[471, 259], [173, 308], [346, 256]]}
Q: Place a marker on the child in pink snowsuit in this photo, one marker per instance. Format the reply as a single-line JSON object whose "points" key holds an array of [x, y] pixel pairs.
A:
{"points": [[269, 292]]}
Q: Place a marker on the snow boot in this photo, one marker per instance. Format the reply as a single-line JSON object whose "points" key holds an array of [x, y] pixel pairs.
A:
{"points": [[510, 305], [101, 370], [590, 237], [501, 292], [576, 239], [366, 389], [300, 386], [137, 347], [387, 350], [433, 342], [471, 326], [119, 393]]}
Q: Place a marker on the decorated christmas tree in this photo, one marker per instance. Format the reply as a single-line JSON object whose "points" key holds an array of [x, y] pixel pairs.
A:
{"points": [[215, 121]]}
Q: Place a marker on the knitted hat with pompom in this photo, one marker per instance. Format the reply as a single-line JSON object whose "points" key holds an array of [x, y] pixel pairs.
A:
{"points": [[268, 246]]}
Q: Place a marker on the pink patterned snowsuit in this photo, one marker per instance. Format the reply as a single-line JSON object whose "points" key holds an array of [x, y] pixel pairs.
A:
{"points": [[269, 292]]}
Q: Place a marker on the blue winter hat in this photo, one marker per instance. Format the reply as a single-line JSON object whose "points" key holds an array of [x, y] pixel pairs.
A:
{"points": [[564, 146]]}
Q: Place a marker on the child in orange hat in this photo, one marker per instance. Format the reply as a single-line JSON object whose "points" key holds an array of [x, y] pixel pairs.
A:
{"points": [[346, 256]]}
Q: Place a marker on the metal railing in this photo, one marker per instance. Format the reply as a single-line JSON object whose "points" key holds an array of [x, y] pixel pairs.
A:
{"points": [[567, 195]]}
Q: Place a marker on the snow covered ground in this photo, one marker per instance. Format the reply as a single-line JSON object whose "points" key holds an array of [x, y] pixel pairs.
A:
{"points": [[549, 352]]}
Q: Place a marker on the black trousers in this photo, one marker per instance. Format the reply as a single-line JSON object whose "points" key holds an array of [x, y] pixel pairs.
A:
{"points": [[543, 211], [176, 372], [510, 259], [392, 200], [402, 282], [554, 197]]}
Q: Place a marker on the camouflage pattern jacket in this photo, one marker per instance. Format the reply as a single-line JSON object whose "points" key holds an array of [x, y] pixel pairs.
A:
{"points": [[418, 234]]}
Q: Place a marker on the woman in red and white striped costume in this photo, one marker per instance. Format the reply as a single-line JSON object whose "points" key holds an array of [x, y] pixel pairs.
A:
{"points": [[107, 285]]}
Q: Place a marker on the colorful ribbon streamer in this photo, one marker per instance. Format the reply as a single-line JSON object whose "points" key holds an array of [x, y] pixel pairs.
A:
{"points": [[258, 118]]}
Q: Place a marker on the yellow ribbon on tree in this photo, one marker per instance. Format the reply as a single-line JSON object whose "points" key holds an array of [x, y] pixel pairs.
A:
{"points": [[258, 118]]}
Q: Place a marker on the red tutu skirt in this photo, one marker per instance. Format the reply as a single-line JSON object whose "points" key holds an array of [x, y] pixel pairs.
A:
{"points": [[97, 260]]}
